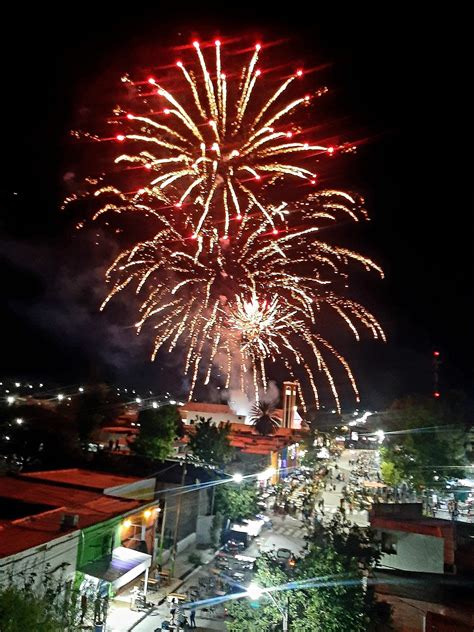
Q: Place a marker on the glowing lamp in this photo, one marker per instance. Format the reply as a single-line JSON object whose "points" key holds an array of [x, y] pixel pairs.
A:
{"points": [[141, 191], [275, 231], [436, 354], [239, 218], [258, 46], [237, 477], [151, 80], [257, 177], [194, 236], [258, 73], [306, 97], [289, 134], [436, 394], [130, 117], [299, 73], [147, 166], [306, 146], [196, 44], [126, 524], [217, 42], [313, 181], [166, 111], [254, 592], [179, 64], [223, 76], [178, 205], [330, 150], [147, 513], [120, 137]]}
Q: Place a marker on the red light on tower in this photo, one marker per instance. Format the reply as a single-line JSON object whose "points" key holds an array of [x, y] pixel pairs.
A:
{"points": [[436, 394], [436, 354]]}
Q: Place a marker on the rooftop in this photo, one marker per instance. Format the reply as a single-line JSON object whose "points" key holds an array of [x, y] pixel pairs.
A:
{"points": [[80, 479], [41, 527]]}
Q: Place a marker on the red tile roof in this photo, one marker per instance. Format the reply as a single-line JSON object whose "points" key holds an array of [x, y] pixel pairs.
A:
{"points": [[82, 479], [24, 533]]}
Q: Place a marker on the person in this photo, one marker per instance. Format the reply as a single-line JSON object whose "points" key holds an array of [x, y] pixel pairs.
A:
{"points": [[83, 607], [111, 444], [117, 444], [192, 618]]}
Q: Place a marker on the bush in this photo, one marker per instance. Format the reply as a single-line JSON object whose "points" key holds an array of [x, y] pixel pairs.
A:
{"points": [[194, 558]]}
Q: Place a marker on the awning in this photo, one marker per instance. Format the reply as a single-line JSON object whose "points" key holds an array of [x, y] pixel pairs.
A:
{"points": [[125, 565]]}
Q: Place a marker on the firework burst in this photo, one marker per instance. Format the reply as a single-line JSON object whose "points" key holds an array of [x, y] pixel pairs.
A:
{"points": [[216, 149], [232, 272], [245, 303]]}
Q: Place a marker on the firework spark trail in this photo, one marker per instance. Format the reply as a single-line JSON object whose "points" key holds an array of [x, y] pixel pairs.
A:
{"points": [[214, 301], [212, 150], [230, 272]]}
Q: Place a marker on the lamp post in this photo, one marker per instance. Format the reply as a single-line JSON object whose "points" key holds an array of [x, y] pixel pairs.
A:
{"points": [[254, 591]]}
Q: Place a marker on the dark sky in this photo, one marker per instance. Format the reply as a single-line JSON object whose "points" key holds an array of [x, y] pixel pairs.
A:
{"points": [[398, 79]]}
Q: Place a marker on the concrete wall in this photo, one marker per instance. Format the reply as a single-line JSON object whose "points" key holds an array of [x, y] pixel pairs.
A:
{"points": [[414, 552], [203, 529], [57, 557]]}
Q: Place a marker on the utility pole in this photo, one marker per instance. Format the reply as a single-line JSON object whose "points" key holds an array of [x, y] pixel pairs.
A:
{"points": [[178, 515]]}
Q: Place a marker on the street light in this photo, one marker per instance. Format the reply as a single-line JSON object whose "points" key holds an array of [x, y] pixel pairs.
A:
{"points": [[237, 477], [254, 592]]}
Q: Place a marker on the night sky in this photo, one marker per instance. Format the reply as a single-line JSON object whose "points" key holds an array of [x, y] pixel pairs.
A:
{"points": [[397, 80]]}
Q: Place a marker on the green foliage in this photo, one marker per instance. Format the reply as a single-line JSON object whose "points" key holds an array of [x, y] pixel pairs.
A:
{"points": [[22, 610], [211, 443], [429, 447], [390, 474], [158, 430], [236, 501], [329, 595], [194, 558], [48, 605], [263, 419]]}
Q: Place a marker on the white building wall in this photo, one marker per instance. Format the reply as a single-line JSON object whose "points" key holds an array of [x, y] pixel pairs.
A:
{"points": [[414, 552], [57, 557]]}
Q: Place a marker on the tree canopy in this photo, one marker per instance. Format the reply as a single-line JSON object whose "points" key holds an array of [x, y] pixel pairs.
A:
{"points": [[236, 501], [425, 445], [326, 591], [158, 430], [263, 418], [211, 443]]}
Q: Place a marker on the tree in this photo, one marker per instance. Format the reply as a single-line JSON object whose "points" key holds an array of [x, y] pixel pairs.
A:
{"points": [[48, 605], [158, 431], [426, 445], [211, 443], [97, 406], [263, 418], [328, 593], [236, 501]]}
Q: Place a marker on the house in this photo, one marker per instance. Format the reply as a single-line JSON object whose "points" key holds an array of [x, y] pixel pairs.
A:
{"points": [[412, 542], [76, 525]]}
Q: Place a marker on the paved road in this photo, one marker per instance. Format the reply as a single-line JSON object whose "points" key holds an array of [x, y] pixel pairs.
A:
{"points": [[287, 532], [332, 499]]}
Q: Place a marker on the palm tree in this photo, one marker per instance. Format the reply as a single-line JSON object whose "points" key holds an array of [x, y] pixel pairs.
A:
{"points": [[263, 419]]}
